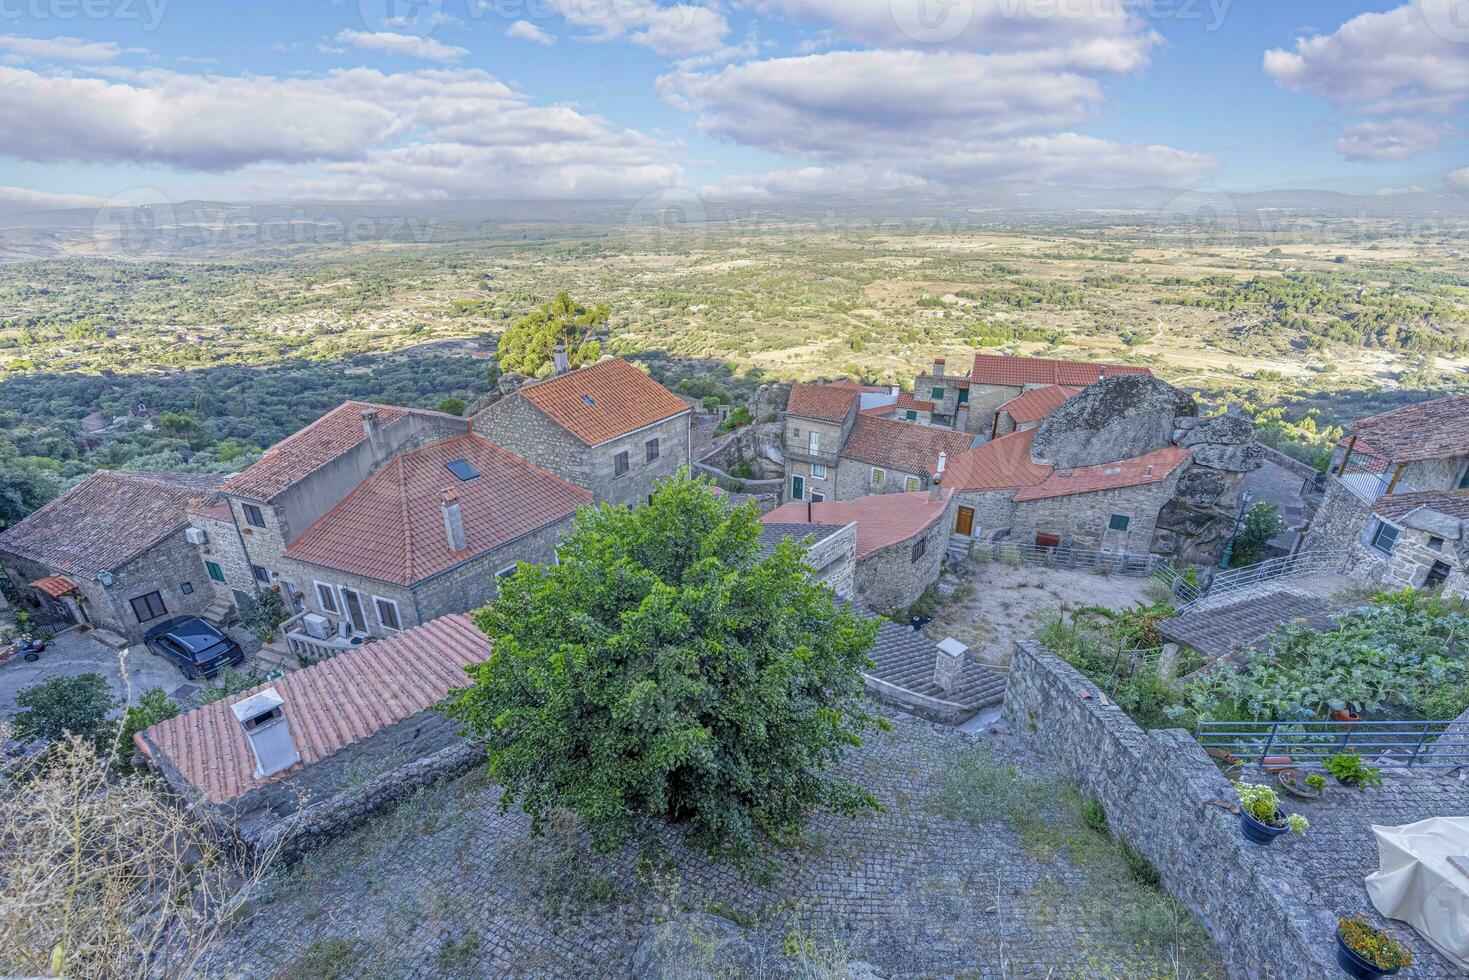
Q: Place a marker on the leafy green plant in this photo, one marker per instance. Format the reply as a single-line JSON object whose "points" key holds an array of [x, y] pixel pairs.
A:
{"points": [[1349, 770], [531, 341], [1261, 523], [1316, 781], [79, 705], [1263, 803], [154, 705], [1373, 944], [262, 613]]}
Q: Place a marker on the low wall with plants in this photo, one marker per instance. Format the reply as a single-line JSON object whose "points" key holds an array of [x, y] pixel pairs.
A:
{"points": [[1161, 794]]}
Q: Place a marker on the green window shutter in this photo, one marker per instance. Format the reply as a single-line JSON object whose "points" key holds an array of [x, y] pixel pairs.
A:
{"points": [[937, 393], [215, 572]]}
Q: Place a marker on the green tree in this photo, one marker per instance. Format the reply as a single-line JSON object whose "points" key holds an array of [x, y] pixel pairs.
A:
{"points": [[1262, 522], [529, 343], [180, 426], [452, 406], [665, 669], [79, 705], [26, 483], [154, 705]]}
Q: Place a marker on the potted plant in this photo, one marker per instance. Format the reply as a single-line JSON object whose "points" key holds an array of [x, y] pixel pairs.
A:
{"points": [[1261, 819], [1366, 952], [1308, 788], [1348, 769], [1345, 714]]}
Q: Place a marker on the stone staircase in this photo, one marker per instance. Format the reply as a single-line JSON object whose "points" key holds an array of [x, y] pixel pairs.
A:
{"points": [[275, 656], [219, 612], [959, 547]]}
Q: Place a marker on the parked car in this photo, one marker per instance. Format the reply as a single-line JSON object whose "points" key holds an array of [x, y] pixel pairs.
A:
{"points": [[197, 648]]}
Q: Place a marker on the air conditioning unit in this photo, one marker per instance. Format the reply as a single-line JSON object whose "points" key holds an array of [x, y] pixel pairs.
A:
{"points": [[317, 626], [195, 535]]}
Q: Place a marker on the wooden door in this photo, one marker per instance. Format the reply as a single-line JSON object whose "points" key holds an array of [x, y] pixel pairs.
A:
{"points": [[965, 524]]}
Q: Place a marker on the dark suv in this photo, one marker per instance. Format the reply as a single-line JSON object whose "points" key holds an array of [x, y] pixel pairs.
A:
{"points": [[196, 647]]}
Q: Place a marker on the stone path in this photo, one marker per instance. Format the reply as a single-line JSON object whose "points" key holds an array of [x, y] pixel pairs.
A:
{"points": [[446, 886]]}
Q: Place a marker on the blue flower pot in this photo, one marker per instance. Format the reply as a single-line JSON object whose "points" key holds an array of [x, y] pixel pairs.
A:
{"points": [[1353, 965], [1260, 833]]}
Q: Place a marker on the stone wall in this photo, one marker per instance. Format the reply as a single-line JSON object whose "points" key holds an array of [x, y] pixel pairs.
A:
{"points": [[1084, 519], [835, 561], [889, 579], [854, 479], [1157, 788], [1340, 520], [994, 511]]}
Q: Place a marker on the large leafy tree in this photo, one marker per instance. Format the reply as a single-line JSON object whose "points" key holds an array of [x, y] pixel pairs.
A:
{"points": [[665, 668], [528, 345]]}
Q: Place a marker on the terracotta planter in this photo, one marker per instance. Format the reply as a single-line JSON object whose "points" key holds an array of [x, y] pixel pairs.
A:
{"points": [[1290, 781], [1348, 716], [1277, 763]]}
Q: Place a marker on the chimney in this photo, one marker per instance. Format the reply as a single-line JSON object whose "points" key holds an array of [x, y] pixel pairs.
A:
{"points": [[267, 732], [948, 666], [369, 423], [938, 367], [563, 363], [894, 390], [935, 486], [453, 521]]}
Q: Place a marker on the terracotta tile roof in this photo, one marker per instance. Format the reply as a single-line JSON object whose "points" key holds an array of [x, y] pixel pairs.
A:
{"points": [[391, 527], [1428, 430], [106, 520], [902, 446], [54, 585], [1154, 467], [213, 512], [603, 401], [906, 401], [996, 369], [1000, 464], [299, 455], [1037, 403], [827, 403], [328, 706], [1452, 503], [883, 519]]}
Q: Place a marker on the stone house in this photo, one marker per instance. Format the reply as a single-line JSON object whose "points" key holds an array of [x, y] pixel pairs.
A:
{"points": [[111, 553], [1030, 409], [831, 550], [1416, 541], [607, 427], [341, 737], [818, 419], [1416, 450], [970, 402], [900, 546]]}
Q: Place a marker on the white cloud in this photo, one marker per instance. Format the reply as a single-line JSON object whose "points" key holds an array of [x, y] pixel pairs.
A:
{"points": [[386, 42], [1457, 180], [60, 48], [17, 199], [1392, 139], [356, 133], [526, 31], [677, 30], [810, 180]]}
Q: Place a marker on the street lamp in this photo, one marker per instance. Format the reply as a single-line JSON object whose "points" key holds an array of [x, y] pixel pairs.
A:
{"points": [[1244, 501]]}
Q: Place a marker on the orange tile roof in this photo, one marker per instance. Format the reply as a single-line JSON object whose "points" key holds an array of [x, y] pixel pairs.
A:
{"points": [[1037, 403], [997, 369], [54, 585], [1428, 430], [883, 519], [298, 455], [1000, 464], [603, 401], [906, 401], [328, 706], [391, 527], [897, 445], [1154, 467], [826, 403]]}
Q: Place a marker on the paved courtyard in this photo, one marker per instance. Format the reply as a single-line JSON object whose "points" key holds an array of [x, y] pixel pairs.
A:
{"points": [[973, 869], [76, 653]]}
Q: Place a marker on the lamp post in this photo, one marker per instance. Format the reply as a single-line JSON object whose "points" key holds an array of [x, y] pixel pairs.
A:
{"points": [[1244, 501]]}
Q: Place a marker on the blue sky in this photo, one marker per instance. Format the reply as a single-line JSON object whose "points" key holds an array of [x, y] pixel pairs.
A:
{"points": [[167, 99]]}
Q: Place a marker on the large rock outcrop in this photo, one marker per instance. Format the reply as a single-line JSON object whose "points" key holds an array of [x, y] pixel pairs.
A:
{"points": [[1116, 418]]}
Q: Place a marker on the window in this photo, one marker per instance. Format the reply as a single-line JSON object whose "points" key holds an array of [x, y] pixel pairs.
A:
{"points": [[817, 496], [1464, 480], [149, 606], [254, 515], [352, 601], [879, 477], [938, 393], [261, 575], [1435, 544], [912, 484], [1119, 522], [818, 471], [387, 613], [911, 415], [187, 588], [509, 570], [619, 463], [815, 441], [326, 598], [216, 574], [919, 547], [650, 448], [798, 488], [796, 431], [1384, 537], [1436, 576], [463, 470]]}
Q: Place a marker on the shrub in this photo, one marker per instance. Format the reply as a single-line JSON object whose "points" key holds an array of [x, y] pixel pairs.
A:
{"points": [[452, 406], [79, 705], [1349, 769], [262, 613], [153, 706]]}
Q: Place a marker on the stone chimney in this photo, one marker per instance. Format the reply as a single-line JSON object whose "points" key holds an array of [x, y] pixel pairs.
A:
{"points": [[894, 390], [453, 521], [264, 721], [563, 363], [938, 367], [369, 423], [935, 486], [948, 666]]}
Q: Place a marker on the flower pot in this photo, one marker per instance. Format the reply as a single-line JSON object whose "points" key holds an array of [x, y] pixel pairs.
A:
{"points": [[1261, 833], [1354, 965], [1290, 781], [1345, 715], [1275, 763]]}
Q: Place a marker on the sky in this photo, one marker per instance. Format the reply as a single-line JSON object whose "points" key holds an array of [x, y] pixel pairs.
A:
{"points": [[133, 101]]}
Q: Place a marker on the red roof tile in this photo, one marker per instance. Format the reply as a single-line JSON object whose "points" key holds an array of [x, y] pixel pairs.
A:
{"points": [[1154, 467], [902, 446], [1037, 403], [826, 403], [106, 520], [907, 402], [1452, 503], [1000, 464], [997, 369], [1428, 430], [603, 401], [883, 519], [54, 585], [391, 527], [299, 455], [328, 706]]}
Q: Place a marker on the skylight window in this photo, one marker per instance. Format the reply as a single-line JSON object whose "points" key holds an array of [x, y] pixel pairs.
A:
{"points": [[589, 399], [462, 469]]}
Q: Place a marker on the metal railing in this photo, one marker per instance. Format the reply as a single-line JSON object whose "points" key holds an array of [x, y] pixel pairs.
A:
{"points": [[1385, 743], [1233, 581], [802, 450], [1066, 556], [1372, 487]]}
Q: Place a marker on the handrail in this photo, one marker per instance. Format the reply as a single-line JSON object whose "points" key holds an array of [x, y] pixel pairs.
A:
{"points": [[804, 450], [1235, 580], [1435, 743]]}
